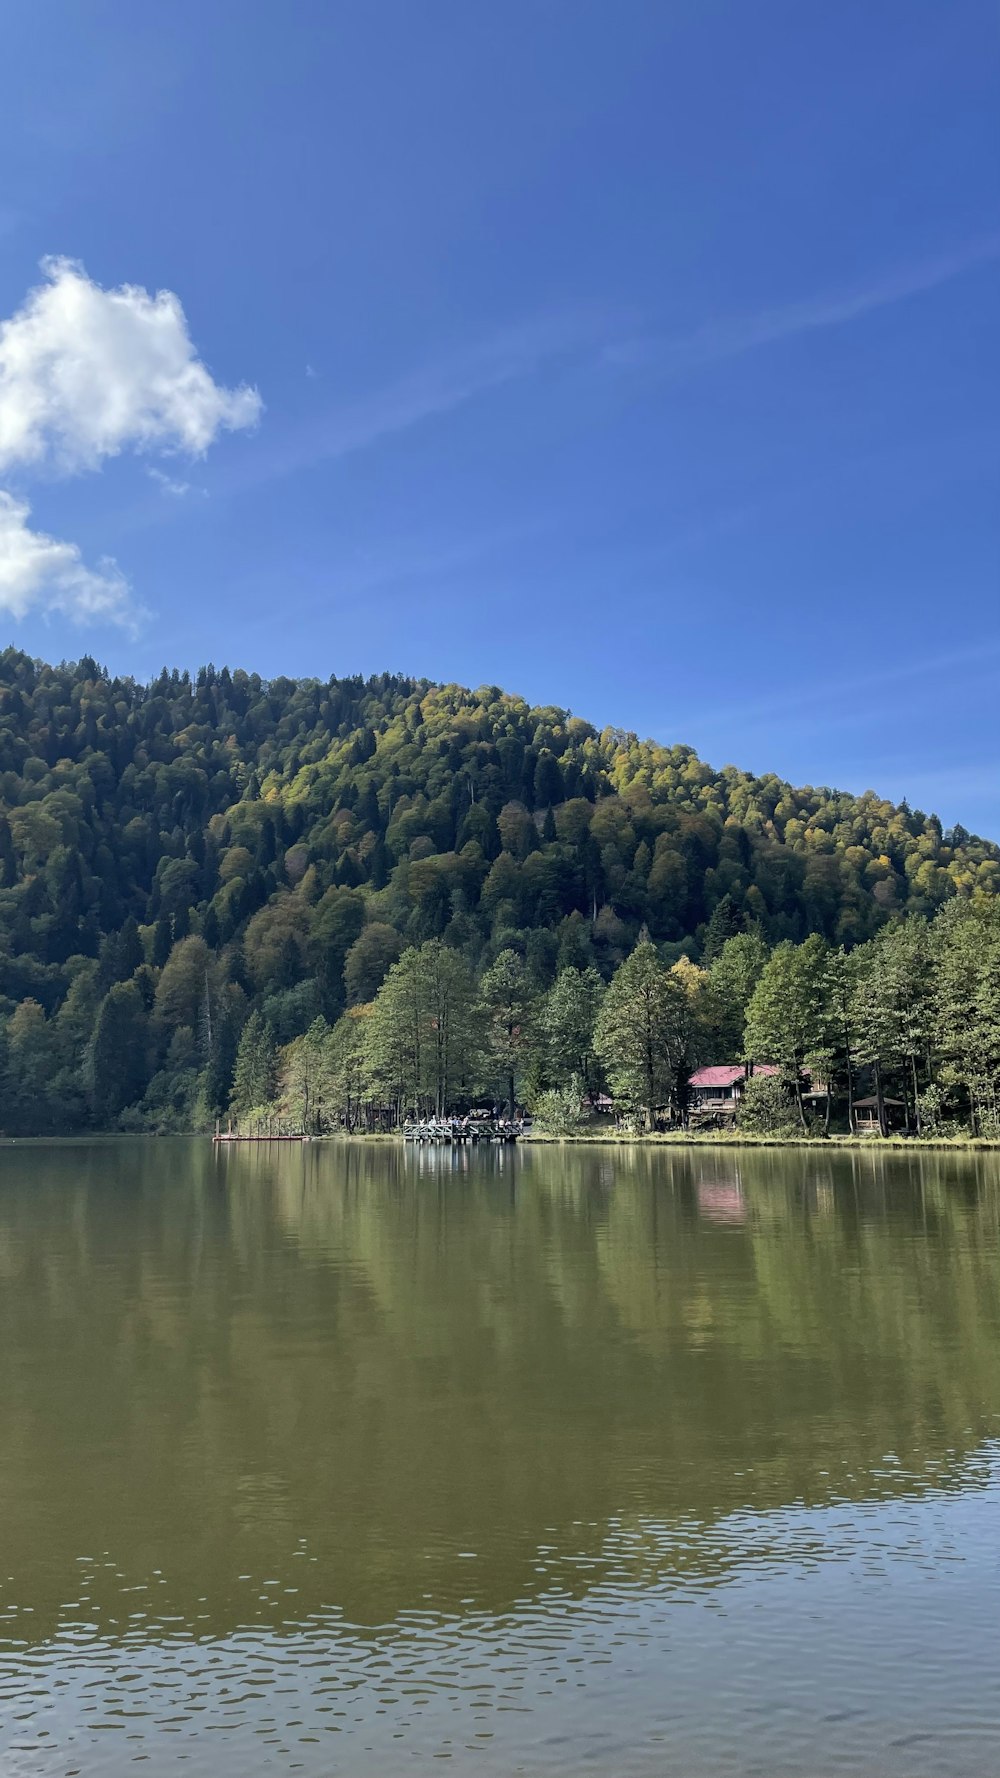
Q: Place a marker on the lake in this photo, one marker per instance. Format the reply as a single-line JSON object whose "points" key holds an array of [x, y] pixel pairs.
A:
{"points": [[356, 1459]]}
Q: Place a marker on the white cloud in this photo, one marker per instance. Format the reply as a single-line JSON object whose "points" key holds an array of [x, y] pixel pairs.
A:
{"points": [[38, 573], [169, 483], [86, 373]]}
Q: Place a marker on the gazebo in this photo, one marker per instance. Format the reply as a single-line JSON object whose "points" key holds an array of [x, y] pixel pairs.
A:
{"points": [[866, 1117]]}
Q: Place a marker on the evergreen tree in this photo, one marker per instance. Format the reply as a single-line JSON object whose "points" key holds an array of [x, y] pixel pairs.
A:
{"points": [[130, 951], [222, 1051], [724, 923], [891, 1011], [640, 1031], [567, 1020], [186, 988], [254, 1071], [791, 1016], [32, 1061], [345, 1064], [163, 939], [8, 857], [118, 1058], [369, 960], [732, 977], [421, 1040], [966, 1009], [548, 781], [508, 1003]]}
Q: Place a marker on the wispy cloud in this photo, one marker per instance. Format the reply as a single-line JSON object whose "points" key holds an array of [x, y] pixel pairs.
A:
{"points": [[172, 485], [593, 338], [731, 337], [430, 392], [833, 702]]}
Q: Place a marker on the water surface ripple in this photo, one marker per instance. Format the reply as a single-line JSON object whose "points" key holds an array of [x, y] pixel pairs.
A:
{"points": [[347, 1460]]}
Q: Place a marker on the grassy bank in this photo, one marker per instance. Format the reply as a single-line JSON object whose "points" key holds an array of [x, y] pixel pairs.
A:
{"points": [[713, 1139], [738, 1139]]}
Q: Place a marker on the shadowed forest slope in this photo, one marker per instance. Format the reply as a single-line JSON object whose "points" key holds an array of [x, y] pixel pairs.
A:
{"points": [[264, 826]]}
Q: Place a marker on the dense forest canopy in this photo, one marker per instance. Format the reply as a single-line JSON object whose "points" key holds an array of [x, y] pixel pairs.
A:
{"points": [[178, 857]]}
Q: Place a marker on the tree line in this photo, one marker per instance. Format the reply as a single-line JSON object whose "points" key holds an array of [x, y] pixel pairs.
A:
{"points": [[913, 1017], [181, 858]]}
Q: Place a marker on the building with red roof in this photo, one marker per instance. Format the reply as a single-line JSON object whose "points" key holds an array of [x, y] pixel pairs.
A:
{"points": [[716, 1091]]}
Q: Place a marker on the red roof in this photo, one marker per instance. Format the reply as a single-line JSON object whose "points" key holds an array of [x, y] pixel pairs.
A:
{"points": [[726, 1074]]}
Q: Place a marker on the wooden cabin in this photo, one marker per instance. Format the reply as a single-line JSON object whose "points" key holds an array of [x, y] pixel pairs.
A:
{"points": [[716, 1091]]}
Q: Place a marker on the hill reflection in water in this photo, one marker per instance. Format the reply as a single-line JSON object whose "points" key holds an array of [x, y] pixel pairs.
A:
{"points": [[264, 1383]]}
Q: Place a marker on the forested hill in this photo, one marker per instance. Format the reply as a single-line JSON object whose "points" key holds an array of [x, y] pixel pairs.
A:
{"points": [[275, 821]]}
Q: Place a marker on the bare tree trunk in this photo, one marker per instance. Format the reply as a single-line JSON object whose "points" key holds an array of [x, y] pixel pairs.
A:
{"points": [[851, 1120], [916, 1095], [880, 1101]]}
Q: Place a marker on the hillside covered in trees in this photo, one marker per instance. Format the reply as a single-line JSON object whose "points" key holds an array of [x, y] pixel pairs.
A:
{"points": [[198, 864]]}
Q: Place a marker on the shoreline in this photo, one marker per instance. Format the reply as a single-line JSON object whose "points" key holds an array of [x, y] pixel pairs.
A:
{"points": [[690, 1139], [540, 1139], [679, 1139]]}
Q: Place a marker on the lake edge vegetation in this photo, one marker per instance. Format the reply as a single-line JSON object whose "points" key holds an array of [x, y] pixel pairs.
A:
{"points": [[333, 903]]}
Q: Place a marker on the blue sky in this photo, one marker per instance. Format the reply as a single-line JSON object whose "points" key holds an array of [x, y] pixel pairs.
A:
{"points": [[641, 358]]}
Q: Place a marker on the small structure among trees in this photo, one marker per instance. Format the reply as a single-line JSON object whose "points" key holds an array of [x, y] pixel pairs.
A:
{"points": [[715, 1092], [874, 1116]]}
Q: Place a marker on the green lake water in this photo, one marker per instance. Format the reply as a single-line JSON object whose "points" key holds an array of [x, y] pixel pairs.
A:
{"points": [[359, 1459]]}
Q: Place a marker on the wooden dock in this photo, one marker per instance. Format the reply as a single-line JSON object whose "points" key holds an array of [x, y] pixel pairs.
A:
{"points": [[228, 1138]]}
